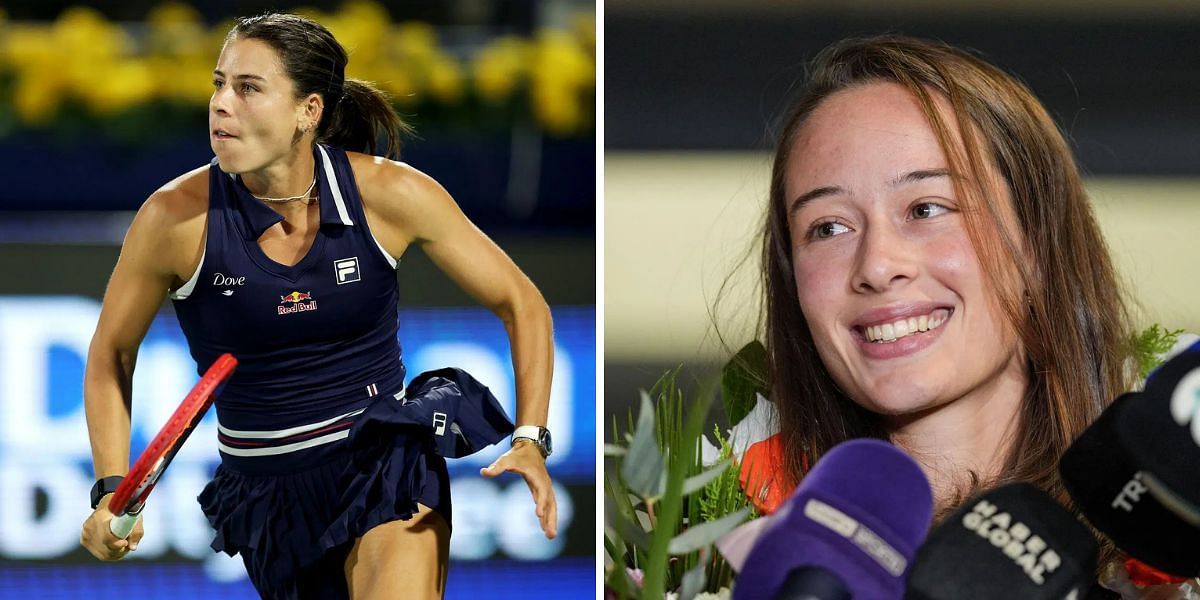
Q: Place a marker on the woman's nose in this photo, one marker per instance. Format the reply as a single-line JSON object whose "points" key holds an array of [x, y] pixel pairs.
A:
{"points": [[219, 103], [885, 259]]}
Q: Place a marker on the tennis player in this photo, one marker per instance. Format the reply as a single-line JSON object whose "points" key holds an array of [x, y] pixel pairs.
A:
{"points": [[282, 251], [935, 277]]}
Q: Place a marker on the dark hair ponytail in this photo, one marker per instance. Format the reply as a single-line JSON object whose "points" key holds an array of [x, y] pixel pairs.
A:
{"points": [[360, 118], [357, 114]]}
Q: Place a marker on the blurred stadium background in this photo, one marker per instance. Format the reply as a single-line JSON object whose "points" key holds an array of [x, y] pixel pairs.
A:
{"points": [[101, 104], [692, 91]]}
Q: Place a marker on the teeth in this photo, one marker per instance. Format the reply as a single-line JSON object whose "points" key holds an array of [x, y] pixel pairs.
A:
{"points": [[890, 332]]}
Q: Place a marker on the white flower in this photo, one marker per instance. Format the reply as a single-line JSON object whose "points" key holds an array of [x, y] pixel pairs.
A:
{"points": [[759, 424], [709, 454]]}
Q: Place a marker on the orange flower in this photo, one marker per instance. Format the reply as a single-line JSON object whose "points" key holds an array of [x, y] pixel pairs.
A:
{"points": [[1143, 575], [762, 476]]}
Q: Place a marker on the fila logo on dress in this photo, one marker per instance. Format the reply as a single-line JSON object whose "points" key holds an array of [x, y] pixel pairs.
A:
{"points": [[346, 270]]}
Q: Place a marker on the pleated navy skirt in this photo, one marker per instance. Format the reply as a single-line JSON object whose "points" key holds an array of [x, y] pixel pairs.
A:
{"points": [[294, 520]]}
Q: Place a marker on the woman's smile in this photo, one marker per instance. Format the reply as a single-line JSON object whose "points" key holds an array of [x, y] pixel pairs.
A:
{"points": [[902, 337]]}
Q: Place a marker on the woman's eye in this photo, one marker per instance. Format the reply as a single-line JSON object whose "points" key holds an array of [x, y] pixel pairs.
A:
{"points": [[217, 83], [927, 210], [248, 88], [826, 230]]}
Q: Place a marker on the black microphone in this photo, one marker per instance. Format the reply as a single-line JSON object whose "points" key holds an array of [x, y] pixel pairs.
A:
{"points": [[812, 583], [1162, 435], [1014, 541], [850, 530], [1099, 473]]}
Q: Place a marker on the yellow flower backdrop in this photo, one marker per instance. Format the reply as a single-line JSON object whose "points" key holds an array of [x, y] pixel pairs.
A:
{"points": [[83, 63]]}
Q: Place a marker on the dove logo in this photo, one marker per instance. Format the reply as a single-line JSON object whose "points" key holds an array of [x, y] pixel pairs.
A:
{"points": [[222, 280], [1185, 403]]}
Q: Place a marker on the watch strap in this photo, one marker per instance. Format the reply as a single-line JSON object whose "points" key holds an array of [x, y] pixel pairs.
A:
{"points": [[103, 487], [538, 436], [529, 432]]}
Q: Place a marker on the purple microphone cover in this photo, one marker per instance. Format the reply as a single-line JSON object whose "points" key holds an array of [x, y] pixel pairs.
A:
{"points": [[860, 514]]}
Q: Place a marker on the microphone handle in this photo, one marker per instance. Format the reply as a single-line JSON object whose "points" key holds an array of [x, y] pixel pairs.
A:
{"points": [[812, 583]]}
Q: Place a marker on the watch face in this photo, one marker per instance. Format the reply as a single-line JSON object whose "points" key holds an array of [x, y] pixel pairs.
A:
{"points": [[545, 441]]}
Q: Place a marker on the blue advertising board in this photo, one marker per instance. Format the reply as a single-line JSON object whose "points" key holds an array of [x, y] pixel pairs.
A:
{"points": [[46, 471]]}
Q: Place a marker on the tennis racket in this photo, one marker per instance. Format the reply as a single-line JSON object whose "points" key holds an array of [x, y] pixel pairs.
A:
{"points": [[130, 496]]}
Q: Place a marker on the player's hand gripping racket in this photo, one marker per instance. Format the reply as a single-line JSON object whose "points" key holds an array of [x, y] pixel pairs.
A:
{"points": [[130, 496]]}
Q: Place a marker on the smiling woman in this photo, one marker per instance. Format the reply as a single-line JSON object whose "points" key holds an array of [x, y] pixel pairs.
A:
{"points": [[333, 480], [934, 274], [885, 246]]}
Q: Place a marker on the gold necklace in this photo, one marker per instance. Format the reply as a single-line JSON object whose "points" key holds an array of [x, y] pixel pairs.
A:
{"points": [[291, 198]]}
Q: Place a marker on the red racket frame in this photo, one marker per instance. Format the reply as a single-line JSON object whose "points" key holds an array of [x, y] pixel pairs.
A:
{"points": [[130, 496]]}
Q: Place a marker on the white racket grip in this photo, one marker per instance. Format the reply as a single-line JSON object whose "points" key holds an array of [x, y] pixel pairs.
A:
{"points": [[122, 525]]}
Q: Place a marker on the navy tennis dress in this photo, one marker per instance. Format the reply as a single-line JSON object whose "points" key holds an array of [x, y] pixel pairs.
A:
{"points": [[319, 439]]}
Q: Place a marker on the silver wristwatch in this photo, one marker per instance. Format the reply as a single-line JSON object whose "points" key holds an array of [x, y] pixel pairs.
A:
{"points": [[539, 436]]}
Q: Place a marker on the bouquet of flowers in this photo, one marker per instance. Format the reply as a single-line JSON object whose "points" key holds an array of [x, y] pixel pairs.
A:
{"points": [[670, 493]]}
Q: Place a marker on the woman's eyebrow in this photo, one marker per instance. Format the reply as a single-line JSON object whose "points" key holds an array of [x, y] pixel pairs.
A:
{"points": [[809, 196], [833, 190], [907, 178], [218, 73], [915, 176]]}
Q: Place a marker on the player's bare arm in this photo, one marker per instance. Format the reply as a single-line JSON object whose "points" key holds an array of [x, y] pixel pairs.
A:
{"points": [[404, 206], [152, 261]]}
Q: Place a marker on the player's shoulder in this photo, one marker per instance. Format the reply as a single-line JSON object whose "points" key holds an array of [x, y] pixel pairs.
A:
{"points": [[395, 190], [379, 177], [174, 215], [179, 200]]}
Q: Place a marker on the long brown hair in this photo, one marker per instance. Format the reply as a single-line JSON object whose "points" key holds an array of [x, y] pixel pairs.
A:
{"points": [[357, 114], [1072, 319]]}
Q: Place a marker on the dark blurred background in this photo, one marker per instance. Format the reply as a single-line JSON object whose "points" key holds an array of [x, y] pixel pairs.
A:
{"points": [[101, 103], [692, 92]]}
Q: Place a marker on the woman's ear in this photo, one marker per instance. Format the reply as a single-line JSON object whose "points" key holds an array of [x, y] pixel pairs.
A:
{"points": [[309, 114]]}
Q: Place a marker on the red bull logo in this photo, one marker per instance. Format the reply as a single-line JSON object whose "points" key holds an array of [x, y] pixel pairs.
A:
{"points": [[296, 302], [295, 297]]}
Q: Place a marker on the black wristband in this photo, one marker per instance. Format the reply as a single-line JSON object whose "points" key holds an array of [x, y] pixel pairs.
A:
{"points": [[103, 487]]}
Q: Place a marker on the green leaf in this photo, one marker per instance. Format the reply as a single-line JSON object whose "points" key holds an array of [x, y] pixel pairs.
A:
{"points": [[669, 516], [693, 580], [642, 467], [620, 503], [617, 494], [694, 483], [705, 534], [744, 376], [630, 532], [618, 578], [615, 547], [1150, 345]]}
